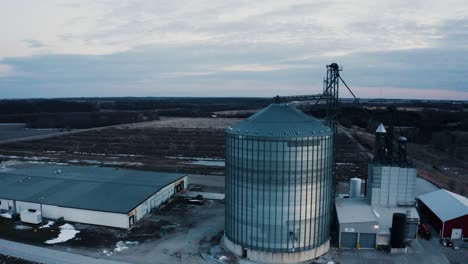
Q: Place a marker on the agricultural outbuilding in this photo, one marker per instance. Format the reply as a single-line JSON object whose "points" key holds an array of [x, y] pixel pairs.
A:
{"points": [[86, 194], [447, 212]]}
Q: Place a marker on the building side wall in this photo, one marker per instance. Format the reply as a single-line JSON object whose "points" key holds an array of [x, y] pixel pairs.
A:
{"points": [[383, 239], [157, 199], [86, 216], [357, 228], [457, 223], [364, 227], [21, 206], [7, 204], [391, 186]]}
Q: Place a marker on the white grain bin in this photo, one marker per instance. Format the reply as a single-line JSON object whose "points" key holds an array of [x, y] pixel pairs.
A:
{"points": [[355, 188], [278, 186], [31, 216]]}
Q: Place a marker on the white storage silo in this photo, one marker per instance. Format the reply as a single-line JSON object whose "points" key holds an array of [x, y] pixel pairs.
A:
{"points": [[278, 186], [355, 188]]}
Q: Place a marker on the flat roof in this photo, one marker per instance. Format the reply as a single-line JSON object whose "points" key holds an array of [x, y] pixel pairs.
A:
{"points": [[354, 210], [83, 187], [358, 210], [445, 204]]}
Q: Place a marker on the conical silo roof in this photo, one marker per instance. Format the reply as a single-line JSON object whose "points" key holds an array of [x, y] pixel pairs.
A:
{"points": [[280, 120], [381, 129]]}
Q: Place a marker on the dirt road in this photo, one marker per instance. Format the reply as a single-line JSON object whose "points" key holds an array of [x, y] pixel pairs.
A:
{"points": [[45, 255]]}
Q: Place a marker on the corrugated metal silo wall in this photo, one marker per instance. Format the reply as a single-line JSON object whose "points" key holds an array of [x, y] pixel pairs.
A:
{"points": [[278, 192]]}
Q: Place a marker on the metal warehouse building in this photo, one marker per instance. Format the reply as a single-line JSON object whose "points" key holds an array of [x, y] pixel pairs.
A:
{"points": [[447, 211], [93, 195]]}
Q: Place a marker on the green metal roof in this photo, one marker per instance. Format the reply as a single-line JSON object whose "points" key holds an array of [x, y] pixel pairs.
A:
{"points": [[90, 187], [280, 120]]}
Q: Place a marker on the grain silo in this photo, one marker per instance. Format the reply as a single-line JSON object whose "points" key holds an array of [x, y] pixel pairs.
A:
{"points": [[278, 186], [355, 188]]}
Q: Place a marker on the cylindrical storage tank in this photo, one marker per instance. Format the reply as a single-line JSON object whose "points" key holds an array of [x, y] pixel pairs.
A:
{"points": [[397, 236], [278, 186], [355, 188]]}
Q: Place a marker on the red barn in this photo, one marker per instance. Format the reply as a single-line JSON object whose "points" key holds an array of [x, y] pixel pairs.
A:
{"points": [[447, 211]]}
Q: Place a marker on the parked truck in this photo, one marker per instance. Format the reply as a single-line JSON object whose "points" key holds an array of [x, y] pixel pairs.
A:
{"points": [[424, 231]]}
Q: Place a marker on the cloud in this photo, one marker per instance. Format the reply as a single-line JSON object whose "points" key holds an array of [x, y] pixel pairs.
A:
{"points": [[214, 71], [103, 27], [34, 43], [140, 47], [6, 70]]}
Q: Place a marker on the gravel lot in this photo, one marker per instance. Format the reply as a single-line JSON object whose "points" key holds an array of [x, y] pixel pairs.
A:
{"points": [[188, 230], [12, 260]]}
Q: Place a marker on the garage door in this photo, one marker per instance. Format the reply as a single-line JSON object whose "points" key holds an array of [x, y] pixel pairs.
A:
{"points": [[367, 240], [456, 233], [411, 230], [348, 240]]}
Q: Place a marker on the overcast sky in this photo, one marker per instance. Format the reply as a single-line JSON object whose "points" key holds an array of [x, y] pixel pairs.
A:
{"points": [[389, 49]]}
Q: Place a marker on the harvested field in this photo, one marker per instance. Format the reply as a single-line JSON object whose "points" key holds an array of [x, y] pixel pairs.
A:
{"points": [[186, 145], [188, 122], [350, 160], [172, 144], [232, 113], [159, 149]]}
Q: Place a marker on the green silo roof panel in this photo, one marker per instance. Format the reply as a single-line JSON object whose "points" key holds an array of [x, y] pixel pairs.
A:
{"points": [[280, 120]]}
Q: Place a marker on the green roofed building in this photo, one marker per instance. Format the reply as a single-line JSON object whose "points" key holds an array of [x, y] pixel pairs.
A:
{"points": [[86, 194]]}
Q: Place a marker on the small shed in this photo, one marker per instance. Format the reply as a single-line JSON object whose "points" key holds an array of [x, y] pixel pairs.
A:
{"points": [[447, 212]]}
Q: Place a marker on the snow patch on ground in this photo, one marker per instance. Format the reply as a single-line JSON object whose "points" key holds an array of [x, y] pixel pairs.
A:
{"points": [[6, 215], [22, 227], [207, 163], [49, 224], [200, 161], [120, 246], [97, 162], [67, 232]]}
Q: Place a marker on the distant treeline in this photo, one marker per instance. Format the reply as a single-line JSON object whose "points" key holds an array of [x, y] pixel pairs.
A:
{"points": [[94, 112], [79, 120], [31, 106], [426, 121], [89, 119], [199, 104], [446, 131], [44, 106]]}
